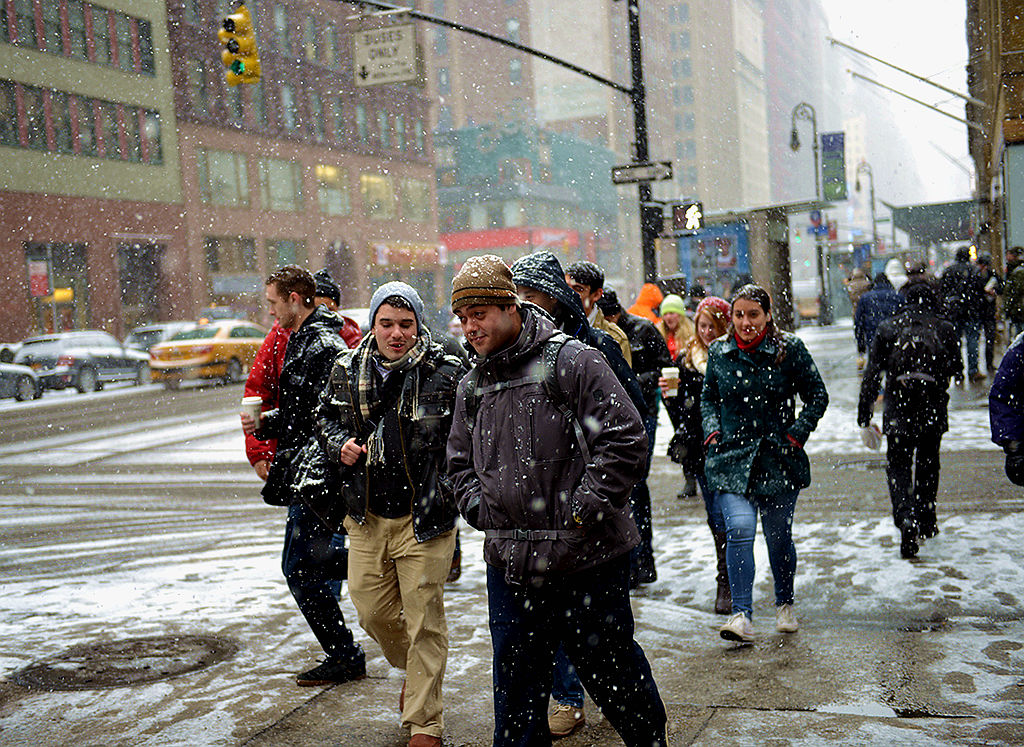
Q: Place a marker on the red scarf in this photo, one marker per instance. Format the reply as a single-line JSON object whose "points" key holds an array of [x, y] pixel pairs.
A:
{"points": [[748, 346]]}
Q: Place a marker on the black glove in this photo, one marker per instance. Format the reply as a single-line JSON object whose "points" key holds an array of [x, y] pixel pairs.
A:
{"points": [[1014, 462]]}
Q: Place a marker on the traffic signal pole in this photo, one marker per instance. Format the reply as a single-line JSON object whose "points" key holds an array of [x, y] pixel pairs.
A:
{"points": [[637, 94]]}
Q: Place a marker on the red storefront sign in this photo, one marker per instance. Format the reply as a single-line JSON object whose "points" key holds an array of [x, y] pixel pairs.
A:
{"points": [[38, 278]]}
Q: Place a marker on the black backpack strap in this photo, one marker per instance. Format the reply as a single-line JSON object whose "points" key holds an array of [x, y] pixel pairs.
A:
{"points": [[552, 349]]}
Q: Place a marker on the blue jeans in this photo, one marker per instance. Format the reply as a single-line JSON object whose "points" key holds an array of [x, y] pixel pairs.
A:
{"points": [[740, 524], [971, 330], [715, 519], [588, 613], [313, 564]]}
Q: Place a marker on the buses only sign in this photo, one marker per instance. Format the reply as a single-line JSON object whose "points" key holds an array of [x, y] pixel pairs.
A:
{"points": [[385, 55]]}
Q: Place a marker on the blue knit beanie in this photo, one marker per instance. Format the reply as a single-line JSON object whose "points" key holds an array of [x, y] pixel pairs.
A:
{"points": [[402, 290]]}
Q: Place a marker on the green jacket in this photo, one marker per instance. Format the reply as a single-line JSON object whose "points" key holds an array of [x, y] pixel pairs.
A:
{"points": [[1013, 295], [749, 400]]}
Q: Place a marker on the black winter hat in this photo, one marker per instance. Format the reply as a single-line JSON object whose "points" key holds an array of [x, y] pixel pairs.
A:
{"points": [[609, 302], [542, 271], [326, 287]]}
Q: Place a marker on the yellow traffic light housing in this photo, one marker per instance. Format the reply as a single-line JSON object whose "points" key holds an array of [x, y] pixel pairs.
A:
{"points": [[240, 56]]}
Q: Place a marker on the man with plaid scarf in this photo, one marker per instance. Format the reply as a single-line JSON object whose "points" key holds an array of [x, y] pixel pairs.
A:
{"points": [[384, 420]]}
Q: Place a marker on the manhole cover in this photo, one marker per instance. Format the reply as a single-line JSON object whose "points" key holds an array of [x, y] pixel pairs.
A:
{"points": [[134, 661], [864, 464]]}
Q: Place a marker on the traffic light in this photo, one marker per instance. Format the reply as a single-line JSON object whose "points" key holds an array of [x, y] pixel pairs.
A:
{"points": [[240, 56], [687, 217]]}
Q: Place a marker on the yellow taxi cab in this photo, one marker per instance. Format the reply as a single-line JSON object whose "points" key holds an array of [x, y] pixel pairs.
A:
{"points": [[223, 349]]}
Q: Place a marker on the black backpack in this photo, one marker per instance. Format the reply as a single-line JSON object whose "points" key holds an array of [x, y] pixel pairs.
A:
{"points": [[917, 350], [962, 291], [547, 376]]}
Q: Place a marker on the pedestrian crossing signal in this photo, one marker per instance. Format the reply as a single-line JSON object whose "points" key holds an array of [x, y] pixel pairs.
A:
{"points": [[240, 56], [687, 217]]}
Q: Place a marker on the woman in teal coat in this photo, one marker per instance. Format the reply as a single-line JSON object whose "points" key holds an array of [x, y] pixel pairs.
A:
{"points": [[756, 462]]}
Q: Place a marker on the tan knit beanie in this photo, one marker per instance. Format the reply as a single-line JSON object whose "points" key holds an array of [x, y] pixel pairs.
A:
{"points": [[484, 279]]}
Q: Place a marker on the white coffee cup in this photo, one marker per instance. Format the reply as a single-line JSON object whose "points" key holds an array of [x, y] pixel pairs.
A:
{"points": [[671, 376], [252, 406]]}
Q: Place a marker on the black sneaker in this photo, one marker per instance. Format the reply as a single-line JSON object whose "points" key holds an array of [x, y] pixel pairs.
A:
{"points": [[333, 672]]}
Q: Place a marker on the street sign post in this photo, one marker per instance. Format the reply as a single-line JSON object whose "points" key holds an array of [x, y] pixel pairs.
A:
{"points": [[385, 55], [655, 171]]}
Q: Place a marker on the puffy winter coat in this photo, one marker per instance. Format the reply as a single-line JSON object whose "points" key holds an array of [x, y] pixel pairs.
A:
{"points": [[749, 401], [312, 350], [431, 385], [265, 373], [684, 412], [1006, 398], [1013, 294], [649, 298], [517, 467], [916, 401], [650, 355], [962, 291]]}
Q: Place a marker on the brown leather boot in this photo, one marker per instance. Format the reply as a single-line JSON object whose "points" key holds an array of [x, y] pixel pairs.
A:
{"points": [[723, 599]]}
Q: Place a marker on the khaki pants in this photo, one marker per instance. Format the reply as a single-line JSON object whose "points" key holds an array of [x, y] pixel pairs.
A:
{"points": [[397, 587]]}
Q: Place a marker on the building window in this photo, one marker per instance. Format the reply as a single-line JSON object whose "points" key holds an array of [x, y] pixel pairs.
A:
{"points": [[8, 114], [235, 104], [52, 27], [230, 255], [400, 132], [198, 84], [316, 117], [421, 136], [689, 149], [332, 190], [64, 141], [286, 252], [331, 45], [339, 117], [35, 117], [100, 35], [76, 29], [515, 71], [145, 35], [132, 136], [125, 53], [151, 138], [445, 119], [86, 126], [309, 38], [512, 27], [383, 131], [25, 18], [280, 184], [361, 122], [257, 96], [110, 138], [444, 82], [378, 195], [689, 122], [281, 30], [223, 178], [287, 107], [415, 200], [684, 41], [440, 42]]}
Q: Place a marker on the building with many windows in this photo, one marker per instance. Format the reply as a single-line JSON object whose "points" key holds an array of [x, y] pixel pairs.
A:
{"points": [[90, 193], [139, 186], [305, 166]]}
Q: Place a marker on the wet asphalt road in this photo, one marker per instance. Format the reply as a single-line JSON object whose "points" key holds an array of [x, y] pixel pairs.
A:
{"points": [[890, 651]]}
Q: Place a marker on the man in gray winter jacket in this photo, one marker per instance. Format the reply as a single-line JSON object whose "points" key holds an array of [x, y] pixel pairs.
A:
{"points": [[544, 449]]}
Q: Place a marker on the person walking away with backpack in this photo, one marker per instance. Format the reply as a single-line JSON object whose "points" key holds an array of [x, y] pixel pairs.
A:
{"points": [[687, 445], [874, 307], [1013, 292], [918, 351], [962, 294], [545, 468], [756, 462]]}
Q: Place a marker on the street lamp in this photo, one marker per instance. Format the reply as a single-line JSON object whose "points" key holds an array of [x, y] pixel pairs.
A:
{"points": [[866, 168], [803, 110]]}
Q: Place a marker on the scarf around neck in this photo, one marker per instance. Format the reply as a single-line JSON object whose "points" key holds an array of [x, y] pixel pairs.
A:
{"points": [[368, 392], [746, 347]]}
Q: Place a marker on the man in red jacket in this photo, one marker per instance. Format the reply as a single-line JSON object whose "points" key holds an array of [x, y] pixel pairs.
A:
{"points": [[266, 368]]}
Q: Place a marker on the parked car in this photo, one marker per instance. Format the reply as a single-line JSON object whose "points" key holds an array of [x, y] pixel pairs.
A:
{"points": [[19, 382], [221, 349], [8, 350], [85, 360], [144, 337]]}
